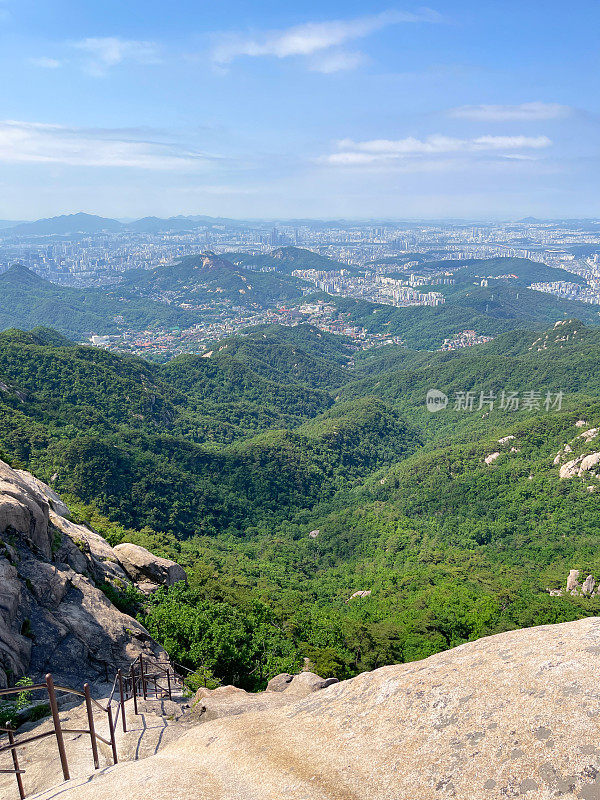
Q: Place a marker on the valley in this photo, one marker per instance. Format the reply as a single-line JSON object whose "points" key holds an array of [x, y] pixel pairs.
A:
{"points": [[288, 473]]}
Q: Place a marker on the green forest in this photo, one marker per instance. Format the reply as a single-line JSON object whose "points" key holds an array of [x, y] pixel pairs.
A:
{"points": [[288, 472]]}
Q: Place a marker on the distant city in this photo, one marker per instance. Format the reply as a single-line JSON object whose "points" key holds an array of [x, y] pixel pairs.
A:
{"points": [[390, 263]]}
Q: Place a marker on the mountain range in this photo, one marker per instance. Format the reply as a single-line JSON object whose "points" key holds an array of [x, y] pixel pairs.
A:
{"points": [[67, 224]]}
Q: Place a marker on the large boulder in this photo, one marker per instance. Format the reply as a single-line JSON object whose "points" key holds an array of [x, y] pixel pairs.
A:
{"points": [[53, 612], [227, 701], [148, 571], [24, 511], [300, 685], [54, 500], [86, 551], [512, 715]]}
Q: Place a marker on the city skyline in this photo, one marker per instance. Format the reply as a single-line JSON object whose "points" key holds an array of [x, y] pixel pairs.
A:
{"points": [[332, 111]]}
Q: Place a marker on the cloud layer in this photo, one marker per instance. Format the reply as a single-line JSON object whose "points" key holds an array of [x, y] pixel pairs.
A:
{"points": [[314, 38], [523, 112], [38, 143], [375, 150]]}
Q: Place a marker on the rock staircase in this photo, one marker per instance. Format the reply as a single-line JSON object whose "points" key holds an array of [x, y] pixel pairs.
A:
{"points": [[157, 723], [150, 723]]}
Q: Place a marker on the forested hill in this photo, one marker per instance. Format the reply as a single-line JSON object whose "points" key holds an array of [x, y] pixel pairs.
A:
{"points": [[166, 297], [286, 476], [27, 301], [195, 280], [286, 259], [521, 270]]}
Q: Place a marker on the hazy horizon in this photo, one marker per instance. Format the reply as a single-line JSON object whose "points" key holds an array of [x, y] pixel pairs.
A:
{"points": [[482, 220]]}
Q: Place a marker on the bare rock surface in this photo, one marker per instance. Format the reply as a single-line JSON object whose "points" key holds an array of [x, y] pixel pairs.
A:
{"points": [[147, 570], [512, 715], [54, 615], [24, 511], [228, 701], [571, 468], [53, 499]]}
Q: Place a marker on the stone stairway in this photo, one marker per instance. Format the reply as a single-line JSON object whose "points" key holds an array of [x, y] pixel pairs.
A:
{"points": [[158, 722]]}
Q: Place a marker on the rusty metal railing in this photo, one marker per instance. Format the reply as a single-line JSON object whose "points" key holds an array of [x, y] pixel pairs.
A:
{"points": [[140, 681]]}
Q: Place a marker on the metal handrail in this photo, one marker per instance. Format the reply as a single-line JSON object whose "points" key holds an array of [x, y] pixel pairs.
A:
{"points": [[124, 688]]}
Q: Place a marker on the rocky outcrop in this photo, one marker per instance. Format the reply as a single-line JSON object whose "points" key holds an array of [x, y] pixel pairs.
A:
{"points": [[576, 589], [590, 434], [512, 715], [571, 468], [54, 615], [359, 594], [491, 458], [53, 499], [583, 465], [148, 571], [573, 580], [589, 462], [24, 512], [229, 701]]}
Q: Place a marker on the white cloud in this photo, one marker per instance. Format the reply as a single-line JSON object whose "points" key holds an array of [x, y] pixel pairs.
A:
{"points": [[336, 61], [110, 51], [313, 37], [374, 150], [505, 113], [39, 143], [45, 63]]}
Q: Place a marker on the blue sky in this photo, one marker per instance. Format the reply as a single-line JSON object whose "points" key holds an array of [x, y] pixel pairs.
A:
{"points": [[330, 109]]}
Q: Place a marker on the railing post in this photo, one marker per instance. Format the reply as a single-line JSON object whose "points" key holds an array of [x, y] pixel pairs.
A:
{"points": [[144, 693], [122, 693], [133, 690], [57, 728], [111, 728], [15, 758], [169, 682], [90, 716]]}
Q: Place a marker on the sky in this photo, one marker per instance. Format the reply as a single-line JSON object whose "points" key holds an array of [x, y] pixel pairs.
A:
{"points": [[330, 109]]}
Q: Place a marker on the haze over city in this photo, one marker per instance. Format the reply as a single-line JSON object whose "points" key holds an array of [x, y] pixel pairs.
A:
{"points": [[330, 109]]}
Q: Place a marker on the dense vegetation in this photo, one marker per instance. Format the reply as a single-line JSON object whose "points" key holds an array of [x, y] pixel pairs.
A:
{"points": [[27, 301], [286, 473], [197, 280], [287, 259]]}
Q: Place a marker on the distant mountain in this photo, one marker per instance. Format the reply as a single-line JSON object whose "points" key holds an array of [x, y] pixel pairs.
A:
{"points": [[90, 223], [287, 259], [197, 280], [28, 301], [68, 223]]}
